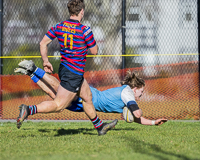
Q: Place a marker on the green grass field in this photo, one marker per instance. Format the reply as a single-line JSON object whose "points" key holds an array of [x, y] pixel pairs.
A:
{"points": [[79, 140]]}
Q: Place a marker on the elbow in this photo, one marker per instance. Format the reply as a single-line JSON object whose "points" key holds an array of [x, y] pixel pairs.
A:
{"points": [[42, 44], [138, 113]]}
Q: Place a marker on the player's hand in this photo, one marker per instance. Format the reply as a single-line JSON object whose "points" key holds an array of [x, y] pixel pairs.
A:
{"points": [[48, 67], [160, 121]]}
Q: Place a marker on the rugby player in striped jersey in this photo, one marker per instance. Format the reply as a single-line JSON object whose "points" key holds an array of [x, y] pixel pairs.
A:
{"points": [[75, 39]]}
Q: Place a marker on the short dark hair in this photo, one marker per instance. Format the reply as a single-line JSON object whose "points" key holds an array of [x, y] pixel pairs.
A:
{"points": [[75, 6]]}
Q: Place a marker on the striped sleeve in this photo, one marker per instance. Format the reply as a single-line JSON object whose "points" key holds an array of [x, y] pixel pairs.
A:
{"points": [[89, 38], [51, 33]]}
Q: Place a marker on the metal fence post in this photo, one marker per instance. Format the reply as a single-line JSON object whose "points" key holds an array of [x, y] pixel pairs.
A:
{"points": [[198, 21], [1, 23], [123, 35]]}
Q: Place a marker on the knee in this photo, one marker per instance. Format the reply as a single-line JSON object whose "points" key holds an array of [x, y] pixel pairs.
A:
{"points": [[59, 107], [61, 110]]}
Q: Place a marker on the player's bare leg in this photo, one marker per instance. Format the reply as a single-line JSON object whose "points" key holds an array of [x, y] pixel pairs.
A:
{"points": [[51, 81], [62, 100], [47, 83], [86, 95], [50, 85], [48, 90]]}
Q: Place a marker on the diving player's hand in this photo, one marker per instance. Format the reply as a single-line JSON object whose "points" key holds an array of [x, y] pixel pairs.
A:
{"points": [[48, 67], [160, 121]]}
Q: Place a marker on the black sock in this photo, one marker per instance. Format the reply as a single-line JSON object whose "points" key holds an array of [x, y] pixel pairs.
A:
{"points": [[33, 69]]}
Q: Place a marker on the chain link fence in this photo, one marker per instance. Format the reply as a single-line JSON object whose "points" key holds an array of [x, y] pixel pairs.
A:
{"points": [[161, 45]]}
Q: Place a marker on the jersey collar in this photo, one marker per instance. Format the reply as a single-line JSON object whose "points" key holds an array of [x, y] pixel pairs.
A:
{"points": [[73, 20]]}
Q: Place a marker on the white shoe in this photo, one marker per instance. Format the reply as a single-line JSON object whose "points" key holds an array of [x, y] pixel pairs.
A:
{"points": [[28, 65], [22, 71]]}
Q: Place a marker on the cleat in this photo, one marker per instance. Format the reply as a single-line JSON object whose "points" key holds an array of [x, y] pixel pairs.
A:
{"points": [[22, 71], [28, 65], [23, 114], [107, 127]]}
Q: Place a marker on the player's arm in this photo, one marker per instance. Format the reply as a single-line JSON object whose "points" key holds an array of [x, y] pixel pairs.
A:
{"points": [[145, 121], [90, 41], [43, 50], [128, 98], [134, 109], [94, 50]]}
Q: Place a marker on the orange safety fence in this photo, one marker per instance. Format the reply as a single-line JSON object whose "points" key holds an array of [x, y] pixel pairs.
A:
{"points": [[169, 96]]}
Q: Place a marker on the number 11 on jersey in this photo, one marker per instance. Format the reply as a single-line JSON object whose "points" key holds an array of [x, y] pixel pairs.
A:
{"points": [[71, 40]]}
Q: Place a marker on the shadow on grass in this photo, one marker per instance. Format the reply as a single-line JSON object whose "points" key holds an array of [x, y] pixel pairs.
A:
{"points": [[62, 131], [154, 150], [124, 129]]}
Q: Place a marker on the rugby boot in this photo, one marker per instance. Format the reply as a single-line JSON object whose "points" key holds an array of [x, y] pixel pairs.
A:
{"points": [[107, 126], [28, 65], [22, 71], [23, 114]]}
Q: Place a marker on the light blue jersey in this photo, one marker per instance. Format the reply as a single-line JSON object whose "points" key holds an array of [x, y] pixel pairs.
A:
{"points": [[111, 100]]}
